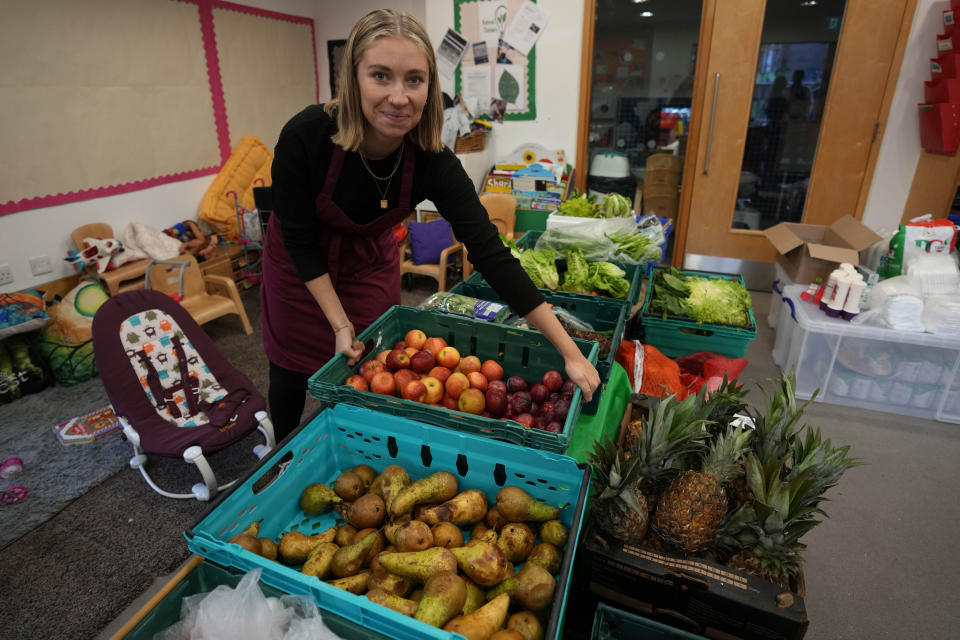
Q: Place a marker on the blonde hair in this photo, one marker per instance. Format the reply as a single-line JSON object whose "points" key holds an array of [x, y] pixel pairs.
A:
{"points": [[346, 106]]}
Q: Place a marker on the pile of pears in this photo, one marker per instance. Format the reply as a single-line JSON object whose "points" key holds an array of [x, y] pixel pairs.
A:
{"points": [[403, 545]]}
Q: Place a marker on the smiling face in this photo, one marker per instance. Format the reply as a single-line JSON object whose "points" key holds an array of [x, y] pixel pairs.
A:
{"points": [[393, 79]]}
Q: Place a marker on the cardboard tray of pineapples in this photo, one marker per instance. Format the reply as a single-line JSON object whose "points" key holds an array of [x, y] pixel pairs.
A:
{"points": [[703, 521]]}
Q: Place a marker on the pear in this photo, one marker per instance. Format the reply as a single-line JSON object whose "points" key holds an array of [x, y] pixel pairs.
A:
{"points": [[547, 556], [345, 534], [349, 486], [508, 586], [366, 473], [465, 508], [516, 505], [392, 601], [419, 565], [349, 559], [420, 509], [482, 623], [377, 547], [478, 530], [294, 546], [411, 535], [268, 548], [389, 483], [355, 584], [554, 532], [494, 520], [487, 535], [248, 538], [317, 498], [366, 511], [389, 582], [319, 560], [527, 623], [517, 541], [437, 487], [507, 634], [444, 595], [447, 534], [476, 596], [535, 587], [484, 563], [416, 595]]}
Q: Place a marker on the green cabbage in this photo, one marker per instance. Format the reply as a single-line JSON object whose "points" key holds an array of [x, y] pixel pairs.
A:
{"points": [[541, 266], [718, 301], [579, 206], [590, 277]]}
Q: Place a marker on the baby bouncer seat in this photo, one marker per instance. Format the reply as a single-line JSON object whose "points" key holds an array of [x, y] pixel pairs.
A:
{"points": [[173, 391]]}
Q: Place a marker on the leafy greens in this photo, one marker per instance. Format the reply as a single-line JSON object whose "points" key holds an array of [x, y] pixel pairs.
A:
{"points": [[706, 300]]}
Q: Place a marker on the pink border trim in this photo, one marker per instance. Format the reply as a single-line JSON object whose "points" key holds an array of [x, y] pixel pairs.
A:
{"points": [[205, 9]]}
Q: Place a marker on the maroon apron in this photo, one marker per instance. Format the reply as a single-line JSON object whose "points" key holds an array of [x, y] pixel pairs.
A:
{"points": [[363, 261]]}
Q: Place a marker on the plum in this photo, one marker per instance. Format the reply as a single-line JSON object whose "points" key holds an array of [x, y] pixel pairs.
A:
{"points": [[496, 401], [554, 396], [560, 410], [546, 410], [516, 383], [568, 388], [497, 384], [553, 380], [539, 393], [525, 419], [554, 427], [538, 423], [521, 402]]}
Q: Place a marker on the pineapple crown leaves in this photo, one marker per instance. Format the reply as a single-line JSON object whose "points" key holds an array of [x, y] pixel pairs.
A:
{"points": [[825, 463], [777, 423], [671, 433], [616, 475], [721, 460]]}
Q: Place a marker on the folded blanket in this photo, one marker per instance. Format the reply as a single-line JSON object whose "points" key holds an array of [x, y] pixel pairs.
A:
{"points": [[143, 241]]}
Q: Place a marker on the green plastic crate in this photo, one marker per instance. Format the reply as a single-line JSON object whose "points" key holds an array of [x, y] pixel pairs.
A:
{"points": [[676, 336], [344, 436], [206, 577], [531, 220], [520, 352], [603, 314], [610, 623]]}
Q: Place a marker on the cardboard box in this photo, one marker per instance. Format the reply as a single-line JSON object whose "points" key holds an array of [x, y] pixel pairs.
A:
{"points": [[809, 251]]}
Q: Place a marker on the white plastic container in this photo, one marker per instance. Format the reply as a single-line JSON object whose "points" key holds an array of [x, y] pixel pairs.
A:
{"points": [[902, 372], [780, 281]]}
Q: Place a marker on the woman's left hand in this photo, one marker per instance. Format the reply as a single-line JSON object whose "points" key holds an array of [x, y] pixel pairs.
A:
{"points": [[584, 374]]}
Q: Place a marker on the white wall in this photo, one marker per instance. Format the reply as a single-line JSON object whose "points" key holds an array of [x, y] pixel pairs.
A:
{"points": [[900, 149]]}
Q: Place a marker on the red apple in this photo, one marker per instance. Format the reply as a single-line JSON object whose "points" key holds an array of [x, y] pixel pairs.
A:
{"points": [[440, 373], [371, 368], [358, 382], [433, 345], [410, 351], [521, 402], [553, 380], [456, 384], [434, 389], [382, 356], [400, 344], [469, 364], [477, 380], [496, 401], [471, 401], [448, 357], [415, 338], [398, 359], [415, 390], [491, 369], [525, 419], [516, 383], [422, 361], [539, 393], [497, 384], [403, 377], [448, 402], [383, 382]]}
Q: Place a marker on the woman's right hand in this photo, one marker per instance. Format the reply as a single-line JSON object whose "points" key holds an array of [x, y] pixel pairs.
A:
{"points": [[347, 345]]}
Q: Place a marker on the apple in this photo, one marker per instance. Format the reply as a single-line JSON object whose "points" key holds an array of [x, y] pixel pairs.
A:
{"points": [[434, 389], [448, 402], [554, 427], [415, 390], [440, 373], [491, 369], [370, 368], [560, 410], [383, 383], [448, 357], [471, 401], [422, 361], [415, 338], [410, 351], [525, 419], [400, 344], [382, 356], [496, 401], [477, 380], [433, 345], [497, 384], [358, 382], [568, 388], [516, 383], [552, 380], [403, 377], [398, 359], [469, 364], [539, 393], [456, 384], [521, 402]]}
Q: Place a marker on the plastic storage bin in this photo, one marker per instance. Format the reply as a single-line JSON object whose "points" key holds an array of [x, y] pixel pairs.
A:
{"points": [[908, 373], [344, 436], [520, 352], [611, 623], [780, 280], [676, 336]]}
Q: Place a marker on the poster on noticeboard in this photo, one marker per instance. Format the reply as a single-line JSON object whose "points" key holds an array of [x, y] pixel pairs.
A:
{"points": [[496, 73]]}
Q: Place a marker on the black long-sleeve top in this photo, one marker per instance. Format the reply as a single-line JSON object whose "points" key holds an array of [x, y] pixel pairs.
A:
{"points": [[302, 157]]}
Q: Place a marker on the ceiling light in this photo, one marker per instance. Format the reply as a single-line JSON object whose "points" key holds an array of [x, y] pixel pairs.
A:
{"points": [[647, 14], [638, 1], [808, 3]]}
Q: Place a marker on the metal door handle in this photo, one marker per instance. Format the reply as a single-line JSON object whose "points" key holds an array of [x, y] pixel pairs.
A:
{"points": [[713, 117]]}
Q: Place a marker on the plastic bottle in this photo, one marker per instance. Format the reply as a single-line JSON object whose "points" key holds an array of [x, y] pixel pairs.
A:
{"points": [[829, 288], [835, 306], [854, 297]]}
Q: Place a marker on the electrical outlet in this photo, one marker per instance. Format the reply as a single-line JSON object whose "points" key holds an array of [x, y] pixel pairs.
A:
{"points": [[40, 265], [6, 275]]}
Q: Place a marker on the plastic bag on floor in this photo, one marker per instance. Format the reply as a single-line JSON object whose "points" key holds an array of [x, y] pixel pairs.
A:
{"points": [[245, 613]]}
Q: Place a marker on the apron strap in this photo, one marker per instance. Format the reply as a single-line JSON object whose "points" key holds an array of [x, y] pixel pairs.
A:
{"points": [[406, 185], [333, 172]]}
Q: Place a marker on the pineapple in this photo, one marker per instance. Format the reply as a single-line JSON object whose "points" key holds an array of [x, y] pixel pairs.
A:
{"points": [[619, 507], [633, 431], [694, 505]]}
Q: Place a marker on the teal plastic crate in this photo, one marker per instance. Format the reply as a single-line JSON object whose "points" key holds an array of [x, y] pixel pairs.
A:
{"points": [[603, 314], [610, 623], [520, 352], [675, 336], [343, 436], [206, 577]]}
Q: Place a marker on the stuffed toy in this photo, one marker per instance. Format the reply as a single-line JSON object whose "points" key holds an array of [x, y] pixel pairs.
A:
{"points": [[97, 251]]}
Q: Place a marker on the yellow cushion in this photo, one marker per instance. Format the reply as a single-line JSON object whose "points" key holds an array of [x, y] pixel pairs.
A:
{"points": [[247, 167]]}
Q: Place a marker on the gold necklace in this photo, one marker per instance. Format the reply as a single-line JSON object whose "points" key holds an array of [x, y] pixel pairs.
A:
{"points": [[377, 179]]}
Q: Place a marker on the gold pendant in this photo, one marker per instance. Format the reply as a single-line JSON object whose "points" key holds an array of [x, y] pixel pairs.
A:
{"points": [[383, 204]]}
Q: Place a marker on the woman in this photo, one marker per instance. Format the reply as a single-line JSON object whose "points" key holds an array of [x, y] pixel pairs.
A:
{"points": [[343, 175]]}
